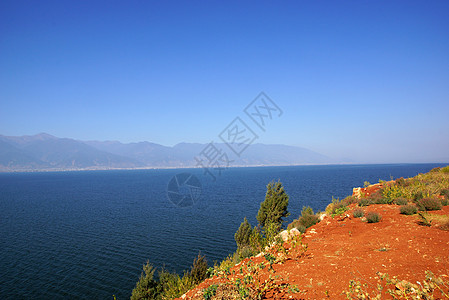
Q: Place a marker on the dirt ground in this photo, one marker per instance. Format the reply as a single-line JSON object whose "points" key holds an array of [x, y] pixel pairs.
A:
{"points": [[345, 248]]}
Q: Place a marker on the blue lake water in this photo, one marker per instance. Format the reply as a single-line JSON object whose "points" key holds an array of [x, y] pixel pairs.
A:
{"points": [[86, 235]]}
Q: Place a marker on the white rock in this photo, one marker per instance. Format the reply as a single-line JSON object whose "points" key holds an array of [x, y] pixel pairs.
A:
{"points": [[288, 234]]}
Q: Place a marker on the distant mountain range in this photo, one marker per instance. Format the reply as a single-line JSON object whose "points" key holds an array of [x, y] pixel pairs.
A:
{"points": [[46, 152]]}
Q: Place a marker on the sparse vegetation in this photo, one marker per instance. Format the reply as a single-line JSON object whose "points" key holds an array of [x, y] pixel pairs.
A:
{"points": [[338, 206], [364, 202], [308, 218], [429, 203], [401, 201], [358, 213], [170, 285], [423, 192], [420, 186], [373, 217], [408, 209], [432, 287]]}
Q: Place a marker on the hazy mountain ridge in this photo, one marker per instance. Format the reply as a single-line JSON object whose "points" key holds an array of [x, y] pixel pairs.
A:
{"points": [[46, 152]]}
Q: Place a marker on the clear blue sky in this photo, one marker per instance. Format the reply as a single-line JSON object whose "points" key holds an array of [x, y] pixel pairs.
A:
{"points": [[367, 80]]}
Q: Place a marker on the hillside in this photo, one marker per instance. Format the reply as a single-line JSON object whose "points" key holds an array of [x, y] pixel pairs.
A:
{"points": [[349, 254], [46, 152]]}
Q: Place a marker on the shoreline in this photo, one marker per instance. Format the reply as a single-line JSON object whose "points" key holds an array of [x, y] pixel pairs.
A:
{"points": [[198, 167]]}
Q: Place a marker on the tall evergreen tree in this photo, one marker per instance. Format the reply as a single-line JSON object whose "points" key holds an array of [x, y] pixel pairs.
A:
{"points": [[274, 208]]}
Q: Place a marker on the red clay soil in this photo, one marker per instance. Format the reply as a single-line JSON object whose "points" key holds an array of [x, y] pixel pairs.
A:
{"points": [[345, 248]]}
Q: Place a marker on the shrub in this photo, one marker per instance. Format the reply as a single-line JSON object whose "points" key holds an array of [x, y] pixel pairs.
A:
{"points": [[301, 228], [364, 202], [340, 210], [408, 209], [418, 196], [245, 252], [198, 272], [429, 203], [445, 169], [336, 204], [306, 210], [146, 287], [307, 217], [308, 220], [378, 198], [400, 181], [445, 202], [382, 200], [172, 285], [401, 201], [358, 213], [373, 217], [349, 200], [392, 192]]}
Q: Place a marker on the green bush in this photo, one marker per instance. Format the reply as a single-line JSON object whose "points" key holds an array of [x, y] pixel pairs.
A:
{"points": [[373, 217], [336, 204], [392, 192], [340, 210], [307, 218], [173, 285], [408, 209], [429, 203], [401, 201], [445, 202], [358, 213], [445, 169]]}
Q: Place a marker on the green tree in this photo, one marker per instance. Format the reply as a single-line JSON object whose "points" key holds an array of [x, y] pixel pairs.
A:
{"points": [[274, 208], [146, 287], [243, 234]]}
